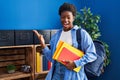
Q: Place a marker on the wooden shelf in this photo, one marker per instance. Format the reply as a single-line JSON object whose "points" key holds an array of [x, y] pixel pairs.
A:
{"points": [[40, 45], [15, 75], [20, 55], [41, 75], [43, 72], [18, 46]]}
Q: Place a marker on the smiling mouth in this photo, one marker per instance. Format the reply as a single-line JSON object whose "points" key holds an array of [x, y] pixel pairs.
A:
{"points": [[65, 24]]}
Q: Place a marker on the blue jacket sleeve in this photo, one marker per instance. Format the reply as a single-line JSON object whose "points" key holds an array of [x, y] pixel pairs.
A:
{"points": [[88, 48], [47, 53]]}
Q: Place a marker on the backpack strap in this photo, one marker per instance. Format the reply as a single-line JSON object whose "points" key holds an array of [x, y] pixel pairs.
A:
{"points": [[78, 36]]}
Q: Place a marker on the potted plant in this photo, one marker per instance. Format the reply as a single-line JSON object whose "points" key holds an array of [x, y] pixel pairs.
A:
{"points": [[88, 21], [11, 68]]}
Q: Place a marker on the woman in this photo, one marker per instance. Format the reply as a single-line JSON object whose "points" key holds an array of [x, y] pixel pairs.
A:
{"points": [[67, 34]]}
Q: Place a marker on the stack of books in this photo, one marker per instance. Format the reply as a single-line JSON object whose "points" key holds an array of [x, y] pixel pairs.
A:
{"points": [[65, 52]]}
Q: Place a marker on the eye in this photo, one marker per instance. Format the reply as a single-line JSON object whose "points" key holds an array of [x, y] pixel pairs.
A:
{"points": [[68, 17]]}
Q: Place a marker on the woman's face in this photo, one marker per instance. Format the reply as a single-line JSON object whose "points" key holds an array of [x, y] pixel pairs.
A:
{"points": [[67, 19]]}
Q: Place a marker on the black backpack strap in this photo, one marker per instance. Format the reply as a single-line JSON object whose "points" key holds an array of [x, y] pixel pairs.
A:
{"points": [[78, 36]]}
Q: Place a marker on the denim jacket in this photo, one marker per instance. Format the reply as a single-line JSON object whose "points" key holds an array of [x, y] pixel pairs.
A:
{"points": [[87, 46]]}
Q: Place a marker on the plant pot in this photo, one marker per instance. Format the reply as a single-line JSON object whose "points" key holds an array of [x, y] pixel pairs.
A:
{"points": [[11, 71]]}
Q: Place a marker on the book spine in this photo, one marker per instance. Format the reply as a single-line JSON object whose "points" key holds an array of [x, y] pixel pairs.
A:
{"points": [[49, 65], [45, 63], [38, 62], [57, 50]]}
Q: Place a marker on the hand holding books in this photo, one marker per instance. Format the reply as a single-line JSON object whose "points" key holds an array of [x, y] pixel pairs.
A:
{"points": [[69, 64], [66, 54]]}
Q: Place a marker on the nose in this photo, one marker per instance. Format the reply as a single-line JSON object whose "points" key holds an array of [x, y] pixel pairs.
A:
{"points": [[65, 19]]}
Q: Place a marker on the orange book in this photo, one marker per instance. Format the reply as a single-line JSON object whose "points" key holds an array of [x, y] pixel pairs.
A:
{"points": [[66, 54], [65, 51]]}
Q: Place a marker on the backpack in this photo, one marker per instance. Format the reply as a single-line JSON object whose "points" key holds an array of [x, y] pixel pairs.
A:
{"points": [[93, 69]]}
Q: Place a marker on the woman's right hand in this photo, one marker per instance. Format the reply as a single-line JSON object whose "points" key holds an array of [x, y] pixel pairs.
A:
{"points": [[40, 37]]}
